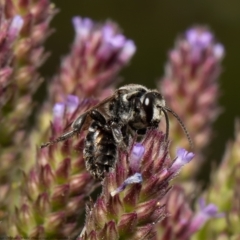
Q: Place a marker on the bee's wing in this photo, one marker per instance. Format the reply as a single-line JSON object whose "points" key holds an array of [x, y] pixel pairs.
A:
{"points": [[101, 106], [85, 118]]}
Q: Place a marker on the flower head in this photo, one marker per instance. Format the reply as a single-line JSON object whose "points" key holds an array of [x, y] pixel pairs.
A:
{"points": [[56, 187], [131, 204], [182, 222], [223, 192], [97, 55], [190, 86], [21, 54]]}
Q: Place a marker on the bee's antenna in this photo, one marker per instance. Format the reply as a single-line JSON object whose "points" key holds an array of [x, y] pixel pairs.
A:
{"points": [[181, 124], [167, 124], [59, 139]]}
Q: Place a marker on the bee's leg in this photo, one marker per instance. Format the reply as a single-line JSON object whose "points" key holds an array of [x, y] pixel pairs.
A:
{"points": [[97, 116], [112, 126], [77, 125], [59, 139], [118, 136]]}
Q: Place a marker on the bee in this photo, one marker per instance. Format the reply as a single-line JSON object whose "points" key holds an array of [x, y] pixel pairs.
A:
{"points": [[130, 111]]}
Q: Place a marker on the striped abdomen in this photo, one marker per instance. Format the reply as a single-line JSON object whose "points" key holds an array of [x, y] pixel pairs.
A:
{"points": [[100, 151]]}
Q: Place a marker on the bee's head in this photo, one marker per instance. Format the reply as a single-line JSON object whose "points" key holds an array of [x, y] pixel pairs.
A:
{"points": [[153, 103], [154, 107]]}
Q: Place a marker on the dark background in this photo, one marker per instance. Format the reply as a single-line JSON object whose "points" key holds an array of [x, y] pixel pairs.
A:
{"points": [[154, 26]]}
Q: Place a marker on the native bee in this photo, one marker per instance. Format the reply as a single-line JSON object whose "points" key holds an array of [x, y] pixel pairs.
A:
{"points": [[130, 111]]}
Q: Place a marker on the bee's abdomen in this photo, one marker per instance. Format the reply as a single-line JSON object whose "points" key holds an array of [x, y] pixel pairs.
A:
{"points": [[100, 151]]}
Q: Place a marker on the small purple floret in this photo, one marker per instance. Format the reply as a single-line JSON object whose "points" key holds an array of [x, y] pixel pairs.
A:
{"points": [[136, 157], [210, 210], [198, 37], [218, 51], [82, 26], [136, 178], [183, 157], [111, 42], [206, 212], [15, 27], [72, 103], [58, 111], [117, 41], [110, 37], [128, 51], [201, 39], [17, 23], [58, 114]]}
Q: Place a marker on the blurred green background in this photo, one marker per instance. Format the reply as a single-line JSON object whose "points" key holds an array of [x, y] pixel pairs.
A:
{"points": [[154, 26]]}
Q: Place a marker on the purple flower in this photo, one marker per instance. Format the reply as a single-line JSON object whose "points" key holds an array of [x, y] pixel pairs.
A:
{"points": [[58, 111], [191, 80], [110, 37], [98, 53], [72, 103], [115, 43], [128, 51], [140, 208], [136, 156], [182, 221], [199, 38], [67, 107], [58, 115], [218, 51], [183, 157], [136, 178], [15, 27], [206, 212], [82, 26]]}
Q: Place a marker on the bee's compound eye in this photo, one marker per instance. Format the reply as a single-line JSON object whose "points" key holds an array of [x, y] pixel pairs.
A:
{"points": [[146, 101], [148, 106]]}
